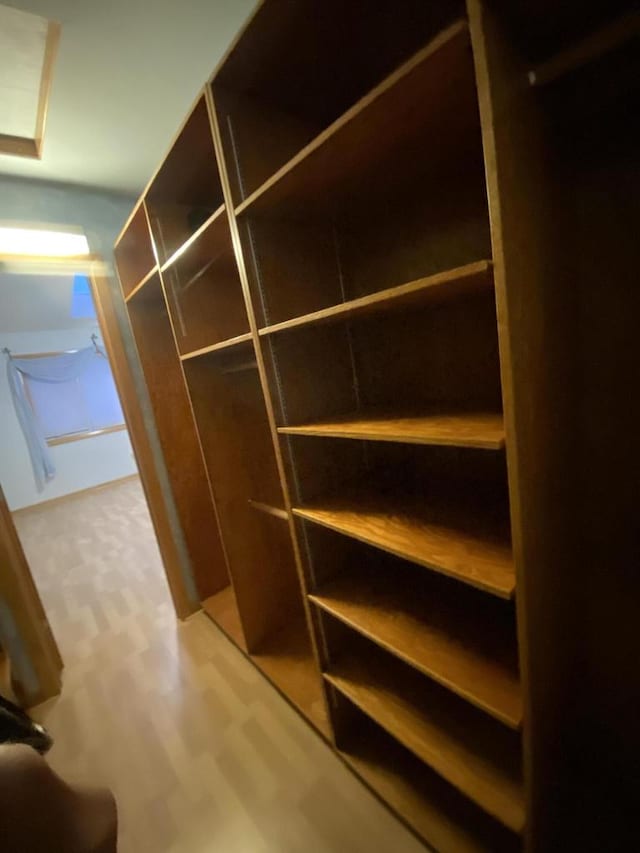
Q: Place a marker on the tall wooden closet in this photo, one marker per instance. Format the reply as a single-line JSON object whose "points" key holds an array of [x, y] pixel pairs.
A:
{"points": [[374, 325]]}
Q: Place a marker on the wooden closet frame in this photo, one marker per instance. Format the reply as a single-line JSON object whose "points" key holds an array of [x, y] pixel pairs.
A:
{"points": [[472, 793]]}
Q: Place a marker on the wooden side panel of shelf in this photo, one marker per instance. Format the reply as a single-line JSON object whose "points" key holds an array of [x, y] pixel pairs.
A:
{"points": [[234, 431], [178, 437], [534, 325], [113, 332], [223, 609]]}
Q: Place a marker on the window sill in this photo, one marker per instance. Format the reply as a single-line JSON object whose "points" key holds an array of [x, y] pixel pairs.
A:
{"points": [[80, 436]]}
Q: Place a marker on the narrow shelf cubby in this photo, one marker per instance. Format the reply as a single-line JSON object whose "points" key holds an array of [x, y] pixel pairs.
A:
{"points": [[133, 252], [278, 85], [186, 191], [178, 436], [204, 290]]}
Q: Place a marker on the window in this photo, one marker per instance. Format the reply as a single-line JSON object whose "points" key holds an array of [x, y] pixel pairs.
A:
{"points": [[80, 408]]}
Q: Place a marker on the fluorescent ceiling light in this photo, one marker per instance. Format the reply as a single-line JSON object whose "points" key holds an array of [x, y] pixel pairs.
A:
{"points": [[51, 244]]}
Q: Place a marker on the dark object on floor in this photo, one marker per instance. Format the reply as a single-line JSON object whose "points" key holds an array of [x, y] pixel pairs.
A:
{"points": [[41, 813], [16, 726]]}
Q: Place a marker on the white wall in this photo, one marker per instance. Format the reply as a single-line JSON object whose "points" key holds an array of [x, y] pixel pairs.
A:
{"points": [[79, 464]]}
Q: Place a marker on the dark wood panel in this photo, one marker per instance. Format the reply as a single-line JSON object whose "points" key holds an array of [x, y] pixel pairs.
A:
{"points": [[178, 437]]}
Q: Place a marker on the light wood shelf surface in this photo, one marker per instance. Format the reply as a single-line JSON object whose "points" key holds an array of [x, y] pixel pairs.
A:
{"points": [[275, 511], [457, 541], [483, 430], [440, 642], [222, 345], [222, 608], [447, 741], [286, 659], [216, 225], [450, 284], [343, 153]]}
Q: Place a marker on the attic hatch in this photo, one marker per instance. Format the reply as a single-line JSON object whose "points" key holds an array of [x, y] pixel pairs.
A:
{"points": [[28, 46]]}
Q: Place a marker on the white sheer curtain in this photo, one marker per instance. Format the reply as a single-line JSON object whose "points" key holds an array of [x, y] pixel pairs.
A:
{"points": [[65, 367]]}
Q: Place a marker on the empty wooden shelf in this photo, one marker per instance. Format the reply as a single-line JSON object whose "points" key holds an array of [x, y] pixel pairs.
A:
{"points": [[457, 743], [431, 807], [185, 191], [276, 84], [467, 649], [466, 429], [204, 290], [430, 289], [342, 156], [455, 541]]}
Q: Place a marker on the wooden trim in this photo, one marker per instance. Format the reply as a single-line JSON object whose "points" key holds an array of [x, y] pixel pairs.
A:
{"points": [[25, 146], [80, 493], [50, 54], [80, 436], [112, 336], [19, 592], [18, 146]]}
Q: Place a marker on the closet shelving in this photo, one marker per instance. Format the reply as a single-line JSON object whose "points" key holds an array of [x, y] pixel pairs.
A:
{"points": [[345, 309]]}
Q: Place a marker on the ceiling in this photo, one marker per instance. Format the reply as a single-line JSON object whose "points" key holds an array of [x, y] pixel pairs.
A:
{"points": [[126, 73], [36, 303]]}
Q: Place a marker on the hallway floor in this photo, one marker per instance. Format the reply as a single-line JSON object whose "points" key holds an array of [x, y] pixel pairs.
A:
{"points": [[200, 751]]}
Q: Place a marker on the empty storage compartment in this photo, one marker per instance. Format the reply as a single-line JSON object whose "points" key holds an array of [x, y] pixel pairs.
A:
{"points": [[432, 807], [186, 191], [230, 411], [299, 66], [477, 755], [133, 252], [457, 636], [204, 290], [178, 437], [414, 370], [368, 210]]}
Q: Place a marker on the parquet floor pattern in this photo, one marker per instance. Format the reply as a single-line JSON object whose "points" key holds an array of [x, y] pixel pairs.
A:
{"points": [[202, 753]]}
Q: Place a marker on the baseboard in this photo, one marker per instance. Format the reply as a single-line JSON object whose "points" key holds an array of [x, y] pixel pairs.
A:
{"points": [[78, 494]]}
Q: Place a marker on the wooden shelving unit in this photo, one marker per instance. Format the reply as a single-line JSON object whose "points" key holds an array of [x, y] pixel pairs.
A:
{"points": [[365, 347], [479, 761], [446, 641]]}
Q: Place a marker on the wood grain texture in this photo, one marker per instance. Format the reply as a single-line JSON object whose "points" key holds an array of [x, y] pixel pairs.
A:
{"points": [[177, 433], [441, 537], [286, 659], [431, 289], [455, 743], [199, 749], [467, 655], [449, 821], [341, 156], [468, 429], [223, 609]]}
